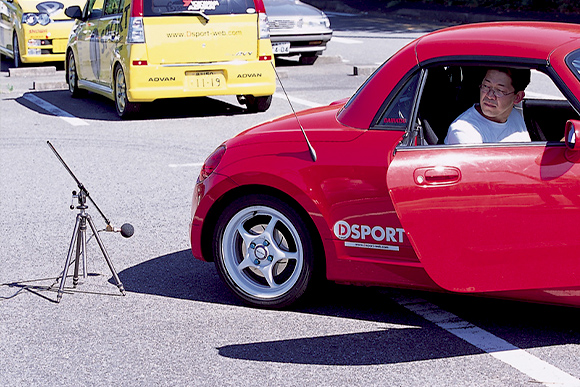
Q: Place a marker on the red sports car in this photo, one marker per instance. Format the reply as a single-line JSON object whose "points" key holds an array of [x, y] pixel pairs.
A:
{"points": [[369, 193]]}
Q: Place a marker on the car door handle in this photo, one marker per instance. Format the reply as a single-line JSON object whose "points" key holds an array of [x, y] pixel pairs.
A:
{"points": [[436, 175]]}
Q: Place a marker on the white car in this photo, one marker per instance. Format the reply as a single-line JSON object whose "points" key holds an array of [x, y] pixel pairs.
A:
{"points": [[297, 29]]}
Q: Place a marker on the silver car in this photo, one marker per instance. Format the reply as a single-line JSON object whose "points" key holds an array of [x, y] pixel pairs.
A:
{"points": [[297, 29]]}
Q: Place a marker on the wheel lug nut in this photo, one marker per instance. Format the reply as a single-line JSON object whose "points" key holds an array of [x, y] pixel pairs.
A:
{"points": [[256, 261], [266, 243], [270, 258], [252, 245]]}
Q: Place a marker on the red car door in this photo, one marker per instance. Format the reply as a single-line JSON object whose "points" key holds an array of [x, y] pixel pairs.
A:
{"points": [[491, 217]]}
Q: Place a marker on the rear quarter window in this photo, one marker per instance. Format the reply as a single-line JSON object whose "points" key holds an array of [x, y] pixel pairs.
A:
{"points": [[209, 7], [573, 62]]}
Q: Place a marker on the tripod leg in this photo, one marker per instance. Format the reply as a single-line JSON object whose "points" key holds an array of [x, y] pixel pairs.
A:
{"points": [[102, 246], [68, 258], [81, 251], [80, 237]]}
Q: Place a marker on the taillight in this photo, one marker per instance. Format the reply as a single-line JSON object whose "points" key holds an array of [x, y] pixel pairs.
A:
{"points": [[136, 33], [137, 8], [259, 6], [263, 27], [211, 163]]}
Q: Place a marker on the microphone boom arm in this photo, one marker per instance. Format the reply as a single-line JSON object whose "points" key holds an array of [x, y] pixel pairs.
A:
{"points": [[79, 184]]}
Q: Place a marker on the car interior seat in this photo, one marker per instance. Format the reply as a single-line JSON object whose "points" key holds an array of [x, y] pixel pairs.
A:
{"points": [[440, 103]]}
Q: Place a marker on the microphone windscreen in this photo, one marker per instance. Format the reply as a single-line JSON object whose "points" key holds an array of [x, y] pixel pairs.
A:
{"points": [[127, 230]]}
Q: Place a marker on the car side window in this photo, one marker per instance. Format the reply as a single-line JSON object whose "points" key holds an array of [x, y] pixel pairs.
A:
{"points": [[112, 7], [95, 9], [398, 113], [451, 90]]}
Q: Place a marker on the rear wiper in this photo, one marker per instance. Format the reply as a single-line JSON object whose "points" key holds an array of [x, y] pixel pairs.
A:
{"points": [[187, 12]]}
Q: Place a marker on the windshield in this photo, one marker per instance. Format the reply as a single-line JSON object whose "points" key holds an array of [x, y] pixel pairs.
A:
{"points": [[207, 7]]}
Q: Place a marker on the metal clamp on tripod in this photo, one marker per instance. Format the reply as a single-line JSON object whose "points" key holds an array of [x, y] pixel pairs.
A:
{"points": [[79, 238]]}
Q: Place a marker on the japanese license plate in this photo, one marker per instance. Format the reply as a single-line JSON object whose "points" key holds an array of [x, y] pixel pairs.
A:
{"points": [[205, 79], [59, 46], [281, 48]]}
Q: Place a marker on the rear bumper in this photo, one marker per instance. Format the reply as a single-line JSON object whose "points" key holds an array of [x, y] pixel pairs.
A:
{"points": [[150, 82], [303, 43]]}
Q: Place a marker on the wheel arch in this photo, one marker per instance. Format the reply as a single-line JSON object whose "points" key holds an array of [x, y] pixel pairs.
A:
{"points": [[213, 214]]}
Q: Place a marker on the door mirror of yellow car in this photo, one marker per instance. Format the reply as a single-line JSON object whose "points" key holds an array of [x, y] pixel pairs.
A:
{"points": [[74, 12]]}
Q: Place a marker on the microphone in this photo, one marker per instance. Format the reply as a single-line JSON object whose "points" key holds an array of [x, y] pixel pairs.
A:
{"points": [[126, 230]]}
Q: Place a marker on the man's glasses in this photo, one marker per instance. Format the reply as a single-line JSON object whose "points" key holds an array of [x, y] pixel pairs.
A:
{"points": [[497, 93]]}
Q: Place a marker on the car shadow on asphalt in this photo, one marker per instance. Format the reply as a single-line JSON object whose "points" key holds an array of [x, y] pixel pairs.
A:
{"points": [[398, 335], [96, 107], [177, 275]]}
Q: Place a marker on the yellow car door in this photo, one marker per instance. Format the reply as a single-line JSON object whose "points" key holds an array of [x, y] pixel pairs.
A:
{"points": [[88, 42], [109, 30]]}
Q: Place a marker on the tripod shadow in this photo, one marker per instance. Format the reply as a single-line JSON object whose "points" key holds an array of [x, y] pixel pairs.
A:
{"points": [[45, 291]]}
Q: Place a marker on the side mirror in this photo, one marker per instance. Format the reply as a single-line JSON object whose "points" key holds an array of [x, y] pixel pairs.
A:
{"points": [[74, 12], [572, 134]]}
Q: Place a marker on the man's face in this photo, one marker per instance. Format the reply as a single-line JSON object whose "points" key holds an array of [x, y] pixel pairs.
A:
{"points": [[496, 108]]}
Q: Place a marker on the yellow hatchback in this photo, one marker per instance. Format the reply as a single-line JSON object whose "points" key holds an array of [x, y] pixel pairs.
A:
{"points": [[33, 31], [136, 51]]}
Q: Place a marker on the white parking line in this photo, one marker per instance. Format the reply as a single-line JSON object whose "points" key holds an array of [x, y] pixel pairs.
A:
{"points": [[187, 165], [338, 39], [298, 100], [518, 358], [75, 121]]}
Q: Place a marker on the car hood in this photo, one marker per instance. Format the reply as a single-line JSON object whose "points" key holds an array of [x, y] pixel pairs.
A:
{"points": [[278, 8], [317, 124], [54, 9]]}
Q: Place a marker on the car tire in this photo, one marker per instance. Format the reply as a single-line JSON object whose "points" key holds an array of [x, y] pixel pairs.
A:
{"points": [[17, 61], [72, 77], [263, 251], [308, 59], [125, 109], [257, 104]]}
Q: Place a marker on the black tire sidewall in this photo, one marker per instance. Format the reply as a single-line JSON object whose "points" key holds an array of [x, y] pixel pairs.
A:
{"points": [[131, 108], [122, 114], [16, 50], [74, 88]]}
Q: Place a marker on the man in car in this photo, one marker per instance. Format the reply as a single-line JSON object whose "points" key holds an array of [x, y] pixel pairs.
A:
{"points": [[494, 118]]}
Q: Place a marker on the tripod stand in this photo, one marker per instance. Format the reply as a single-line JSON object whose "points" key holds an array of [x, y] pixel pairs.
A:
{"points": [[79, 239]]}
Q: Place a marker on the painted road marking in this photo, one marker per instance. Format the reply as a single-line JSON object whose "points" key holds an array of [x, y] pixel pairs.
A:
{"points": [[298, 100], [74, 121], [187, 165], [338, 39], [518, 358]]}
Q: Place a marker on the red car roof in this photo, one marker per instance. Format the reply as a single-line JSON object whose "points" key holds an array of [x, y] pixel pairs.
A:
{"points": [[535, 40], [526, 40]]}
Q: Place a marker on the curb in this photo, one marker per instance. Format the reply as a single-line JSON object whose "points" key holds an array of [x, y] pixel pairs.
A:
{"points": [[22, 72], [363, 70], [48, 85], [328, 59]]}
